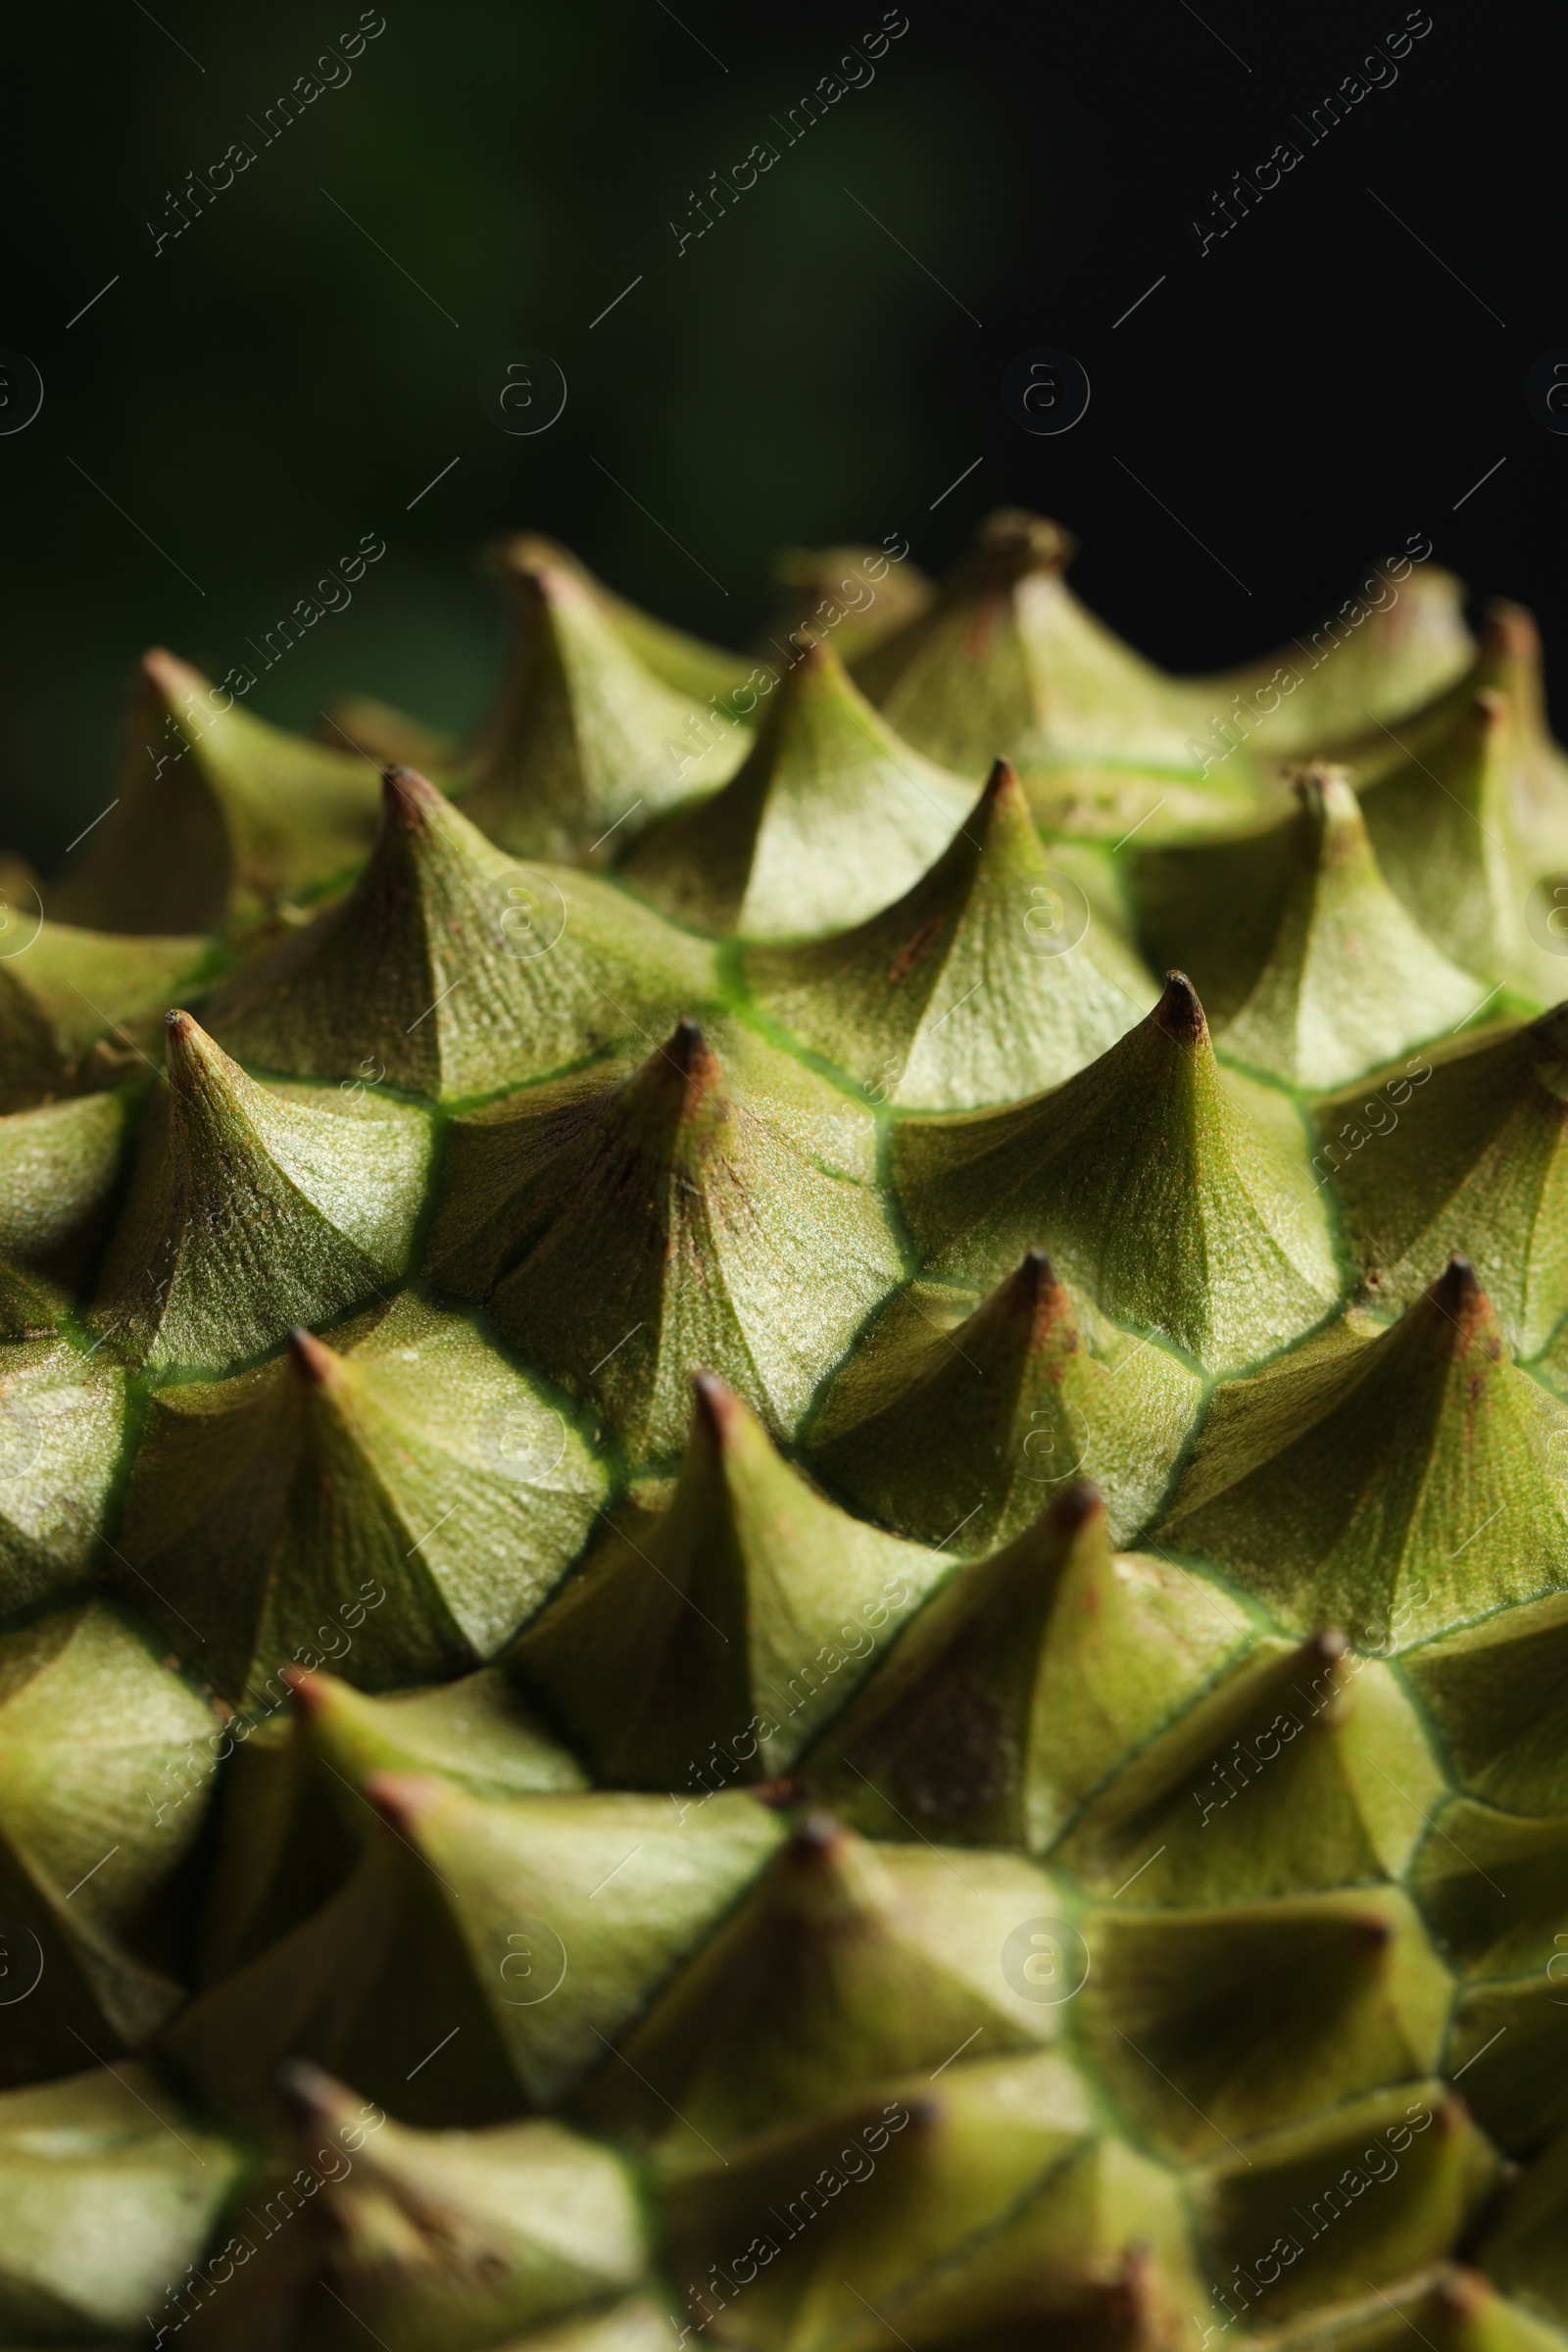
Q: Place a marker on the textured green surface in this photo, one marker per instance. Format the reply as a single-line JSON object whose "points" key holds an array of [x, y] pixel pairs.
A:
{"points": [[744, 1597]]}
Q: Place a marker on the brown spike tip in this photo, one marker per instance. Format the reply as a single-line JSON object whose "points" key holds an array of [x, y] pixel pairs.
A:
{"points": [[312, 1691], [1509, 631], [1133, 2298], [163, 670], [1012, 542], [1003, 780], [539, 568], [311, 1359], [717, 1409], [1466, 2293], [1456, 1293], [402, 1798], [817, 1838], [1322, 786], [1179, 1014], [679, 1072], [1075, 1508], [313, 2095], [409, 800], [1032, 1280], [526, 552], [190, 1056]]}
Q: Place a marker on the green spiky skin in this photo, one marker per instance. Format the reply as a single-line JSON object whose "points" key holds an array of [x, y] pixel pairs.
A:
{"points": [[747, 1596]]}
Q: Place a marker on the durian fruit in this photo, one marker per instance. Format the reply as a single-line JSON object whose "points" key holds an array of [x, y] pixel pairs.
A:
{"points": [[606, 719], [784, 1497]]}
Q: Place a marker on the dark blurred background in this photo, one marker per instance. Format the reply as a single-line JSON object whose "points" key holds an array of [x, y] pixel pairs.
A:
{"points": [[239, 408]]}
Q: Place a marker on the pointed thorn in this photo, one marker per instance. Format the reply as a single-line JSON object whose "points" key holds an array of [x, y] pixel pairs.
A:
{"points": [[675, 1103], [1327, 1647], [718, 1412], [311, 1359], [715, 1407], [1314, 783], [1330, 807], [675, 1075], [817, 1838], [190, 1055], [1001, 790], [529, 560], [1179, 1014], [163, 670], [1014, 542], [312, 1690], [1075, 1508], [1456, 1290], [1464, 2292], [686, 1058], [525, 552], [401, 1797], [409, 800], [314, 2095], [1509, 632], [1032, 1280], [1132, 2296]]}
